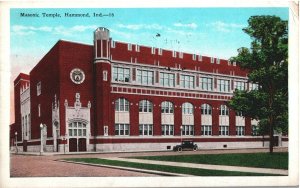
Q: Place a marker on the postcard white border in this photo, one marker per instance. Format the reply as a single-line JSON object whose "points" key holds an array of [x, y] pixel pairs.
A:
{"points": [[5, 74]]}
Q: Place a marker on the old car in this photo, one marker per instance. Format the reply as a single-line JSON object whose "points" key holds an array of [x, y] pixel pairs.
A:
{"points": [[186, 145]]}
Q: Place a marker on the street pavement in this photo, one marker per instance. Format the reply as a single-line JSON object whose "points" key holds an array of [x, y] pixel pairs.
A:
{"points": [[29, 165]]}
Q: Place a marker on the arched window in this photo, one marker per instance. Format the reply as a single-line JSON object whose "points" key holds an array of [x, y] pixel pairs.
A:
{"points": [[167, 107], [224, 125], [206, 109], [224, 110], [122, 105], [187, 108], [145, 106]]}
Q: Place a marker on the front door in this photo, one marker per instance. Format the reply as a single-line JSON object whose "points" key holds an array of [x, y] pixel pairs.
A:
{"points": [[82, 144], [73, 144]]}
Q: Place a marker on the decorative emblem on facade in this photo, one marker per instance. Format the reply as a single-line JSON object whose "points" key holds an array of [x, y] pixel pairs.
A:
{"points": [[77, 103], [77, 76]]}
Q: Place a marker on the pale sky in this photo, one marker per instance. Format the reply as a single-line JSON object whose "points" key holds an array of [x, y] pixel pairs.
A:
{"points": [[208, 31]]}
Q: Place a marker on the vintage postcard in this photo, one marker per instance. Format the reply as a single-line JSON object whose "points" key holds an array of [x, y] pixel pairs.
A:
{"points": [[146, 95]]}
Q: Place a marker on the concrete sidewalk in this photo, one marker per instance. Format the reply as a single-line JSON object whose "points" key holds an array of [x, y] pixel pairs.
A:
{"points": [[205, 166]]}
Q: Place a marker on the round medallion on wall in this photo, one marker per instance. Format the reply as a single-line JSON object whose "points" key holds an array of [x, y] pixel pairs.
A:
{"points": [[77, 76]]}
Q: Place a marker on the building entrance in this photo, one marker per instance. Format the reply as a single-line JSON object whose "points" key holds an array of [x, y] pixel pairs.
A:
{"points": [[77, 136]]}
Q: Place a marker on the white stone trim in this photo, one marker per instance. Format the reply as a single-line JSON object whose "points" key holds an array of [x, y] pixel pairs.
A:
{"points": [[171, 89], [21, 80], [77, 113], [223, 120], [254, 122], [206, 119], [167, 119], [145, 118], [188, 119], [240, 121], [122, 118]]}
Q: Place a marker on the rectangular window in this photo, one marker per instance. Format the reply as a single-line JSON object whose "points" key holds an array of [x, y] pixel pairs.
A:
{"points": [[240, 130], [121, 74], [212, 60], [129, 47], [167, 79], [187, 81], [146, 129], [121, 129], [218, 61], [206, 130], [167, 130], [224, 130], [113, 44], [187, 130], [180, 55], [152, 50], [38, 88], [137, 48], [174, 54], [253, 86], [159, 51], [104, 75], [223, 85], [39, 110], [199, 57], [234, 63], [145, 77], [239, 85], [206, 83], [194, 57]]}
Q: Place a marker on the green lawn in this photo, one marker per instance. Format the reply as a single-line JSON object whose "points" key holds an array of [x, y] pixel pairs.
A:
{"points": [[165, 168], [260, 160]]}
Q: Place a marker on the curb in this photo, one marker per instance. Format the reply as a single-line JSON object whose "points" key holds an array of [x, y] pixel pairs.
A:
{"points": [[129, 169], [108, 152]]}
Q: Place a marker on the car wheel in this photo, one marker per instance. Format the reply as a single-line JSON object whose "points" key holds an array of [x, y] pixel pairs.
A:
{"points": [[179, 149], [195, 149]]}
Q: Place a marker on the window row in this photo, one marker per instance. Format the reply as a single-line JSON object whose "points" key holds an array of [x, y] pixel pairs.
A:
{"points": [[167, 130], [166, 79], [122, 105]]}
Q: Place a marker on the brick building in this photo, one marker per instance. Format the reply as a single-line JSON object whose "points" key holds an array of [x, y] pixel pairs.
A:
{"points": [[115, 96]]}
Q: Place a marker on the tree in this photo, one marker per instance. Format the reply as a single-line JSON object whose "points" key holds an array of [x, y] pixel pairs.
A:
{"points": [[267, 64]]}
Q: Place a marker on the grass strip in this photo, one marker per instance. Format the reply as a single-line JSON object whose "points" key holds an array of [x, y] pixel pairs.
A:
{"points": [[259, 160], [165, 168]]}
